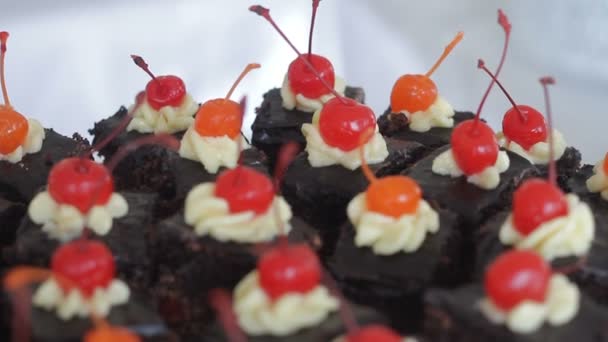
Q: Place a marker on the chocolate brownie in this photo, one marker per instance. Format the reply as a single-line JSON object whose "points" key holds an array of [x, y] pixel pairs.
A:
{"points": [[275, 126], [453, 315], [566, 166], [10, 217]]}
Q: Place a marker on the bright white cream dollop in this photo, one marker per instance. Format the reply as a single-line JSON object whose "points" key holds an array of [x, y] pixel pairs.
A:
{"points": [[387, 235], [560, 306], [539, 153], [439, 114], [32, 144], [320, 154], [50, 296], [564, 236], [599, 181], [305, 104], [65, 222], [210, 215], [168, 119], [488, 179], [258, 314], [212, 152]]}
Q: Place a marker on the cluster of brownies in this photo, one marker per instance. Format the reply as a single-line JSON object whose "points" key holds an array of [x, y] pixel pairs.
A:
{"points": [[329, 225]]}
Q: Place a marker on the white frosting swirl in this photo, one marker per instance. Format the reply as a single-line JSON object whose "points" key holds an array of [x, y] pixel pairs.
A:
{"points": [[212, 152], [439, 114], [258, 314], [538, 153], [50, 296], [32, 144], [388, 235], [564, 236], [599, 181], [561, 305], [445, 165], [305, 104], [168, 119], [65, 222], [320, 154], [210, 215]]}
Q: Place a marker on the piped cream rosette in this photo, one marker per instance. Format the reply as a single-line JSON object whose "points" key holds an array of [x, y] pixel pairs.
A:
{"points": [[168, 119], [210, 215], [50, 296], [538, 153], [212, 152], [320, 154], [445, 165], [564, 236], [305, 104], [258, 314], [388, 235], [560, 306], [439, 114], [65, 222], [32, 144]]}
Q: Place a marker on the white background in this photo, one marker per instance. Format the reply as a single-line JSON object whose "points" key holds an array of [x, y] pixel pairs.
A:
{"points": [[68, 63]]}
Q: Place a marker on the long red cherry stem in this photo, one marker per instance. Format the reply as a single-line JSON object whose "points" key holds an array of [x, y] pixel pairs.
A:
{"points": [[140, 62], [503, 21], [265, 13], [286, 154], [545, 82], [244, 73], [3, 38], [163, 139], [221, 302], [346, 313], [482, 65], [445, 53], [367, 172], [239, 142], [315, 5]]}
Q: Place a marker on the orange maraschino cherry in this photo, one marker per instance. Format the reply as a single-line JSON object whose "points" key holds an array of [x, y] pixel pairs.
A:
{"points": [[13, 125], [222, 117], [342, 121], [106, 333], [414, 93], [162, 91], [517, 276], [605, 165]]}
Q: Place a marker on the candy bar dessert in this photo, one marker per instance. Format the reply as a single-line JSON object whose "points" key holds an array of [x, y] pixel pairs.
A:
{"points": [[283, 112], [425, 224]]}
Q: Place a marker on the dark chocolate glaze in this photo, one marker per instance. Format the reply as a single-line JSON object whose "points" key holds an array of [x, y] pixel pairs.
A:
{"points": [[471, 203], [19, 182], [453, 315], [189, 266], [10, 217], [274, 125], [320, 195], [395, 283], [126, 240], [397, 126], [567, 165], [330, 329]]}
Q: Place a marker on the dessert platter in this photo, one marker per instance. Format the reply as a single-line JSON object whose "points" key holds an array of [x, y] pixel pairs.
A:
{"points": [[329, 224]]}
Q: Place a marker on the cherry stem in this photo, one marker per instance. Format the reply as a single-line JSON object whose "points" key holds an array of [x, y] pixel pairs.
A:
{"points": [[315, 5], [445, 53], [346, 313], [286, 154], [364, 167], [140, 62], [503, 21], [545, 82], [239, 144], [163, 139], [571, 268], [482, 65], [244, 73], [221, 301], [3, 38], [265, 13]]}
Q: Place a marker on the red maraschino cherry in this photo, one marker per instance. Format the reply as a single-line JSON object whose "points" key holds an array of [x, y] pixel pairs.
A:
{"points": [[108, 333], [537, 200], [13, 126], [517, 276], [342, 121], [414, 93], [374, 333], [222, 117], [162, 91], [86, 264]]}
